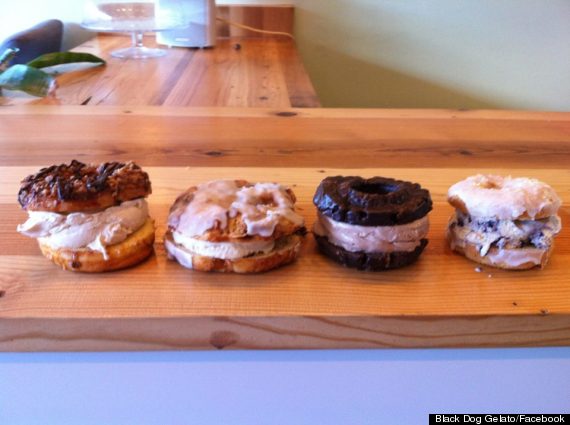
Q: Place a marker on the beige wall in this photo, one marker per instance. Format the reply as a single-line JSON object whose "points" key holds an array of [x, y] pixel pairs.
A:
{"points": [[413, 53]]}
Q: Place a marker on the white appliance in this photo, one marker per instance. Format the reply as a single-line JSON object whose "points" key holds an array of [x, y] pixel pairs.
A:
{"points": [[200, 17]]}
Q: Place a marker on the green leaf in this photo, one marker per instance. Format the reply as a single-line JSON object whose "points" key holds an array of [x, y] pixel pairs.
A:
{"points": [[60, 58], [27, 79], [6, 57]]}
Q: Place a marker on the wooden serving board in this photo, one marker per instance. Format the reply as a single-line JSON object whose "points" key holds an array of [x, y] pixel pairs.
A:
{"points": [[440, 301]]}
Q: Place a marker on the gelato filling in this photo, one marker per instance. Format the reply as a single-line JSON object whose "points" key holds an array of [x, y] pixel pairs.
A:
{"points": [[487, 232], [223, 250], [178, 249], [354, 238], [94, 231]]}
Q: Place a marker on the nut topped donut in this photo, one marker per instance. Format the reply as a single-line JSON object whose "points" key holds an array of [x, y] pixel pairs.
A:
{"points": [[83, 187], [504, 222], [371, 224], [89, 218], [234, 226]]}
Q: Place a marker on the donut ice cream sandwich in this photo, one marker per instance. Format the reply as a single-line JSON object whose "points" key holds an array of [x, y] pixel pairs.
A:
{"points": [[504, 222], [234, 226], [371, 224], [89, 218]]}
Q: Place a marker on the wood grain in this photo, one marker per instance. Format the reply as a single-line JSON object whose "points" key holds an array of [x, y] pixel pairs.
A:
{"points": [[314, 303], [287, 137]]}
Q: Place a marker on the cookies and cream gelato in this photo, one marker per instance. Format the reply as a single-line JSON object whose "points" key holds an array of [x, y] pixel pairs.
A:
{"points": [[504, 222]]}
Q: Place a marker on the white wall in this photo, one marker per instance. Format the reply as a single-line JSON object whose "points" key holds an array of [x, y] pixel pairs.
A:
{"points": [[407, 53]]}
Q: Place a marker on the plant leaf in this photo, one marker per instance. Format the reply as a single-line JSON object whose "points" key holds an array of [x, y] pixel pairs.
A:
{"points": [[27, 79], [6, 57], [60, 58]]}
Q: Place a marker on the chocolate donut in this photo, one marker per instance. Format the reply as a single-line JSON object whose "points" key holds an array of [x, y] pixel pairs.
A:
{"points": [[371, 224], [377, 201]]}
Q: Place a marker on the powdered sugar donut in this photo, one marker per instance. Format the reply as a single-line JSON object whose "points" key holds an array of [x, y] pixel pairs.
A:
{"points": [[504, 198]]}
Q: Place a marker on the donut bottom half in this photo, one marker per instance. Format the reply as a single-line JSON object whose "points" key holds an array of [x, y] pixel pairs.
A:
{"points": [[536, 257], [376, 261], [285, 252], [136, 248]]}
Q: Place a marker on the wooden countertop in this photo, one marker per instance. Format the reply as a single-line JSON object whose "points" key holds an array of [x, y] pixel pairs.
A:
{"points": [[250, 72], [441, 301]]}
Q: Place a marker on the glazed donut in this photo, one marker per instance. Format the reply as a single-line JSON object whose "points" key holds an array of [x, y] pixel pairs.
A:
{"points": [[504, 222], [83, 187], [377, 201], [234, 226], [504, 198], [371, 224]]}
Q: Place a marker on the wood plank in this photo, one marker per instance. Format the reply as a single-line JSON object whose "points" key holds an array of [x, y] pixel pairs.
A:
{"points": [[441, 301], [249, 76], [288, 137], [254, 333]]}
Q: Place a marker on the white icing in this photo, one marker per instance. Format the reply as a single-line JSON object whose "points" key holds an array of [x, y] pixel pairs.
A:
{"points": [[261, 207], [223, 250], [355, 238], [505, 198], [208, 208], [94, 231]]}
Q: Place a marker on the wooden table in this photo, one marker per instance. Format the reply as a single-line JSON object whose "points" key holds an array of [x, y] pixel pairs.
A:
{"points": [[441, 301], [252, 72]]}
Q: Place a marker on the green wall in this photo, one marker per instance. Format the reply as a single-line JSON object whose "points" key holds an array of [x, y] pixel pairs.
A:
{"points": [[511, 54]]}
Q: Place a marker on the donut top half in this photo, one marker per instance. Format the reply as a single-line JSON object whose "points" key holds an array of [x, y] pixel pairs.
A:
{"points": [[234, 210], [504, 198], [79, 187], [377, 201]]}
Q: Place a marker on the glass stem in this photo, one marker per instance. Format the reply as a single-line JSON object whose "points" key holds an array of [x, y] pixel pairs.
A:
{"points": [[137, 38]]}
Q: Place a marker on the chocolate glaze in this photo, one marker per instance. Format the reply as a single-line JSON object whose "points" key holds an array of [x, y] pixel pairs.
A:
{"points": [[377, 201]]}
